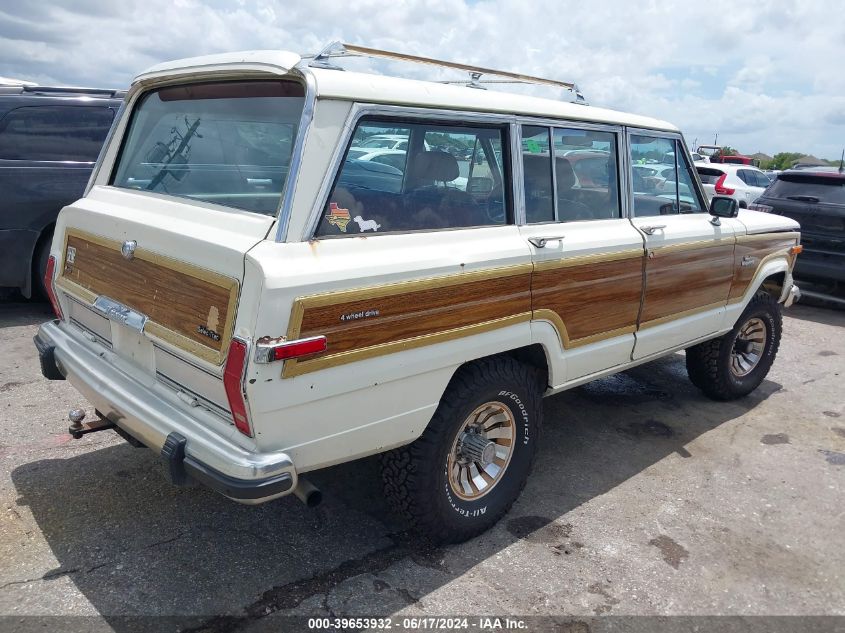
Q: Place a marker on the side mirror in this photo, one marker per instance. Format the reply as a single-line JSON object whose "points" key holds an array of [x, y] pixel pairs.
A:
{"points": [[723, 207]]}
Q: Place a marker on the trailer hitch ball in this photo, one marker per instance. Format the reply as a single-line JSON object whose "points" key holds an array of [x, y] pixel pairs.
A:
{"points": [[75, 416]]}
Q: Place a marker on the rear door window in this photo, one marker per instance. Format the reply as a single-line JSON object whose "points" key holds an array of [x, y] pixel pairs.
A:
{"points": [[581, 183], [762, 179], [54, 133], [450, 176], [228, 143]]}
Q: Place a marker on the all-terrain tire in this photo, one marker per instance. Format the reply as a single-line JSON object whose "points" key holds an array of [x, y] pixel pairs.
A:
{"points": [[416, 477], [39, 267], [709, 364]]}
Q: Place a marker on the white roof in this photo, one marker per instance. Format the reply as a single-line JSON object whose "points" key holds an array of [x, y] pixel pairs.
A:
{"points": [[370, 88], [11, 81]]}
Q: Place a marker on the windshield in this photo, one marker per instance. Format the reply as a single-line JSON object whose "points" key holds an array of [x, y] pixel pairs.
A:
{"points": [[229, 143]]}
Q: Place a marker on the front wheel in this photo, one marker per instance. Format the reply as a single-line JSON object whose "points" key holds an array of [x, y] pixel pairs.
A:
{"points": [[470, 464], [735, 364]]}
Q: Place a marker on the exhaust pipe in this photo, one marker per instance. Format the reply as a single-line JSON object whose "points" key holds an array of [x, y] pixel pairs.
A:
{"points": [[308, 493]]}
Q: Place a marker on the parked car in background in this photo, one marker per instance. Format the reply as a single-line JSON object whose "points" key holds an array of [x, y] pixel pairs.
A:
{"points": [[49, 141], [815, 199], [741, 182], [394, 157]]}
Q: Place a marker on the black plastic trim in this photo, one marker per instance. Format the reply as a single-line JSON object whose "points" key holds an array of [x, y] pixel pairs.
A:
{"points": [[47, 358], [181, 467]]}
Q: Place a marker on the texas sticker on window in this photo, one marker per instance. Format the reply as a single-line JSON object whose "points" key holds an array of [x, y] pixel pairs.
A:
{"points": [[338, 217]]}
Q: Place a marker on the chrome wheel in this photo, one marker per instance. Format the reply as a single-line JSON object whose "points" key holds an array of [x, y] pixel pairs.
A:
{"points": [[748, 347], [481, 451]]}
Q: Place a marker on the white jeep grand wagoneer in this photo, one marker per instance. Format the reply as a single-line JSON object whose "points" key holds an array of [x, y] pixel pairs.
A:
{"points": [[244, 293]]}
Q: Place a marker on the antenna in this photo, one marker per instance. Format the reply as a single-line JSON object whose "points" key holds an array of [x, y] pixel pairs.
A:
{"points": [[842, 162], [340, 49]]}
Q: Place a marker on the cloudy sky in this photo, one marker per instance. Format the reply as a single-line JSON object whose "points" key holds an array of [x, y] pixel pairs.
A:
{"points": [[766, 75]]}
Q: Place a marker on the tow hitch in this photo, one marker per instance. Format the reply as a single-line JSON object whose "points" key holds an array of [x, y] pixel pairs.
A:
{"points": [[77, 428]]}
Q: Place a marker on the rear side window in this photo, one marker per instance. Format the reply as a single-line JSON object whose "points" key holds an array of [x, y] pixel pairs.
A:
{"points": [[808, 189], [54, 133], [447, 176], [228, 143]]}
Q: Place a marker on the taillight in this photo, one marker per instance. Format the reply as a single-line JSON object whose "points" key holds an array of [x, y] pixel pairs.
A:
{"points": [[49, 276], [756, 206], [233, 381], [267, 352], [720, 187]]}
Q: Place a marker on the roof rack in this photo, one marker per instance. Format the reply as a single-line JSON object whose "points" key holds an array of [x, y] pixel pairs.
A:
{"points": [[340, 49], [70, 90]]}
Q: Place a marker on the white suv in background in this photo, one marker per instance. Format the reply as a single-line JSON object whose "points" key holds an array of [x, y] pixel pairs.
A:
{"points": [[744, 183]]}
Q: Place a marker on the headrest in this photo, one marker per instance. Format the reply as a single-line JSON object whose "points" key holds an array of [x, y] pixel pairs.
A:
{"points": [[436, 165], [565, 174]]}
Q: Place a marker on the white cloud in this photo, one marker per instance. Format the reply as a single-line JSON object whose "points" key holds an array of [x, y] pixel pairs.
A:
{"points": [[764, 75]]}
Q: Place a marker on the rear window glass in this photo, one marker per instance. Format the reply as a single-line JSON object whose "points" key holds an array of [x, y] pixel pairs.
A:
{"points": [[228, 143], [824, 189], [708, 175], [54, 133]]}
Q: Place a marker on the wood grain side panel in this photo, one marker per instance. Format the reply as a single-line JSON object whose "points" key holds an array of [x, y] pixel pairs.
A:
{"points": [[591, 299], [416, 313], [177, 297], [681, 280], [759, 249]]}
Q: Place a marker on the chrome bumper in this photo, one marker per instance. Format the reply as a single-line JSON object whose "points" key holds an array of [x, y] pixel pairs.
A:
{"points": [[150, 412], [793, 295]]}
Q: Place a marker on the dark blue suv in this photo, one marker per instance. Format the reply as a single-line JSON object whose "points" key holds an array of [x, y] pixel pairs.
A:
{"points": [[49, 142]]}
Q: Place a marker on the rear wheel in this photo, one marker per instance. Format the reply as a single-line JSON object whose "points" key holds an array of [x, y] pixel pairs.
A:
{"points": [[470, 464], [39, 266], [735, 364]]}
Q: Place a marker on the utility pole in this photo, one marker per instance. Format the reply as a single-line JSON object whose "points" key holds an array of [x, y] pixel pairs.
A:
{"points": [[716, 140]]}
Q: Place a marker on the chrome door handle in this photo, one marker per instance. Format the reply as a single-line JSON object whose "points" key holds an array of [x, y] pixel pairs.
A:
{"points": [[649, 230], [540, 242]]}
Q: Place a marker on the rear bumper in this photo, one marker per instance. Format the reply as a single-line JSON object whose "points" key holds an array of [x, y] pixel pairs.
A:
{"points": [[147, 411]]}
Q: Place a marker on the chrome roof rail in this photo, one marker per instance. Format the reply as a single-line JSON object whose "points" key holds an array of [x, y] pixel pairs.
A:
{"points": [[340, 49]]}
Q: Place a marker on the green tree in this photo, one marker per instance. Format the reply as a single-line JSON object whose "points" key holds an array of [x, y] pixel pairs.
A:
{"points": [[784, 160], [727, 150]]}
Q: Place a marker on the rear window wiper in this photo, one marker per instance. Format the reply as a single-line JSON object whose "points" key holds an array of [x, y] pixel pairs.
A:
{"points": [[810, 199]]}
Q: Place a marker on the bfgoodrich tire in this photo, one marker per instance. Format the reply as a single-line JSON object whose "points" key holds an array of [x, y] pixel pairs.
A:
{"points": [[39, 267], [471, 463], [734, 365]]}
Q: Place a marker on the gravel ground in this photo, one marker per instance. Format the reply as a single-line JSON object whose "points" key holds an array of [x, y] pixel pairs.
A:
{"points": [[647, 499]]}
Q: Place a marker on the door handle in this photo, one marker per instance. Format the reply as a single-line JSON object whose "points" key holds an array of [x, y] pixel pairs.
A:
{"points": [[540, 242], [262, 182], [649, 230]]}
